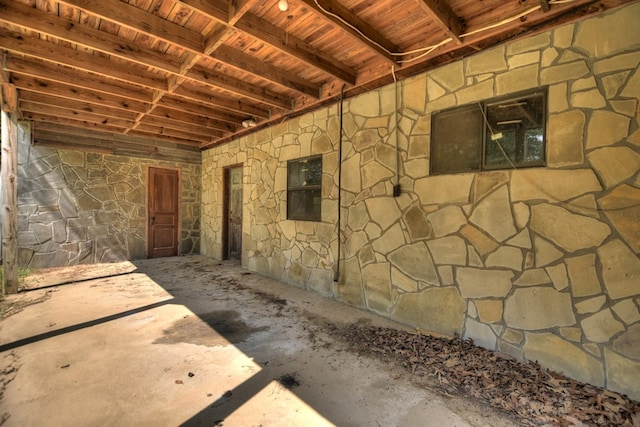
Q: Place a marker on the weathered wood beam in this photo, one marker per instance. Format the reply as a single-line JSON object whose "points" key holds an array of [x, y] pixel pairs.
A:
{"points": [[153, 134], [190, 119], [238, 9], [9, 214], [9, 99], [228, 107], [180, 107], [29, 107], [48, 24], [268, 72], [49, 87], [147, 23], [71, 76], [82, 133], [372, 39], [169, 132], [544, 5], [292, 46], [444, 17], [57, 53], [217, 10], [161, 120], [57, 120], [239, 87], [74, 105]]}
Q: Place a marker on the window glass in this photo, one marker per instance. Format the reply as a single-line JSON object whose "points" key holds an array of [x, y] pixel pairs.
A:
{"points": [[498, 134], [304, 189]]}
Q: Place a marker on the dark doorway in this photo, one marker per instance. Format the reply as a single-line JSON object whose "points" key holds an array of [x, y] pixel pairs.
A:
{"points": [[164, 207], [233, 213]]}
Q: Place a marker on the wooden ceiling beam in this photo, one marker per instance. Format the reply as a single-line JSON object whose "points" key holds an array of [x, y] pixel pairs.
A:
{"points": [[180, 106], [238, 9], [39, 48], [239, 87], [268, 72], [52, 25], [163, 122], [149, 132], [363, 32], [53, 129], [9, 99], [70, 76], [32, 107], [62, 121], [68, 104], [444, 17], [228, 107], [129, 16], [28, 83], [207, 121], [292, 46], [173, 133], [213, 9]]}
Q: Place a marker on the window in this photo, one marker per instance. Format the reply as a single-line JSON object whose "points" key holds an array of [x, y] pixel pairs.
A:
{"points": [[304, 189], [497, 134]]}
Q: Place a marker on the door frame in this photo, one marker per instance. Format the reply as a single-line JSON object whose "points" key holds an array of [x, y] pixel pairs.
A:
{"points": [[226, 172], [147, 207]]}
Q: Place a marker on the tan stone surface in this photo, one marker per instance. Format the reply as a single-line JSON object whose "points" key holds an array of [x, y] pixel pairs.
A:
{"points": [[517, 61], [493, 215], [507, 257], [438, 310], [377, 286], [545, 252], [389, 241], [557, 98], [447, 220], [521, 240], [569, 231], [517, 80], [591, 305], [627, 311], [622, 207], [366, 105], [481, 334], [615, 164], [588, 99], [415, 261], [620, 270], [417, 224], [626, 61], [538, 308], [627, 343], [572, 334], [616, 26], [583, 275], [564, 72], [600, 327], [632, 88], [480, 283], [489, 61], [489, 310], [383, 210], [558, 275], [444, 189], [622, 374], [448, 250], [450, 77], [402, 281], [533, 277], [483, 243], [557, 354], [565, 133], [552, 185]]}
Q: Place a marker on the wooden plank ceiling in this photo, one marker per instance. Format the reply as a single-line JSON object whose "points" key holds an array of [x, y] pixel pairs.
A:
{"points": [[189, 72]]}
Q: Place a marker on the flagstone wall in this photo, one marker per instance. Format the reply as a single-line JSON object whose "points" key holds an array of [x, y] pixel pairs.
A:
{"points": [[539, 263], [78, 207]]}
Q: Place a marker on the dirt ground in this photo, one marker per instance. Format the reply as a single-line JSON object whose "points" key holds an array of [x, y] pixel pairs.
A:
{"points": [[192, 341]]}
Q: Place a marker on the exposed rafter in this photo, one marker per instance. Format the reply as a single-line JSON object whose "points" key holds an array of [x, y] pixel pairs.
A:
{"points": [[444, 17]]}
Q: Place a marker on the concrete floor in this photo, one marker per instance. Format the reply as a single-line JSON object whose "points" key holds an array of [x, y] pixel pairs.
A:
{"points": [[191, 341]]}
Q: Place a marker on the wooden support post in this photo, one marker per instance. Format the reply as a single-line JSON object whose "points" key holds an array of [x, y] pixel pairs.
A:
{"points": [[9, 204]]}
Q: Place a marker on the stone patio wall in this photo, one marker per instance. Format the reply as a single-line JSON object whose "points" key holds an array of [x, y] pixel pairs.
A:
{"points": [[78, 207], [539, 263]]}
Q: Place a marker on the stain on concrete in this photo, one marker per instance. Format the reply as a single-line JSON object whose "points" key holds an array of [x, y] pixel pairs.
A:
{"points": [[212, 329]]}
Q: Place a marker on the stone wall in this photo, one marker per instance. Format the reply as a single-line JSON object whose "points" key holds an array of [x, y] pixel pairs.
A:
{"points": [[539, 263], [78, 207]]}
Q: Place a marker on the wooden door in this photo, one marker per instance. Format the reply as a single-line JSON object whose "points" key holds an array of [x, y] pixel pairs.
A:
{"points": [[164, 207], [234, 213]]}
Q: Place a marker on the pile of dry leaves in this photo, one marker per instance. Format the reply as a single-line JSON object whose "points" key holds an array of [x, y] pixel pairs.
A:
{"points": [[458, 367]]}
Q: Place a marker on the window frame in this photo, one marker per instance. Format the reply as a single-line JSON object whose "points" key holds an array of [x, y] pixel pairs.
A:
{"points": [[316, 188], [485, 138]]}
